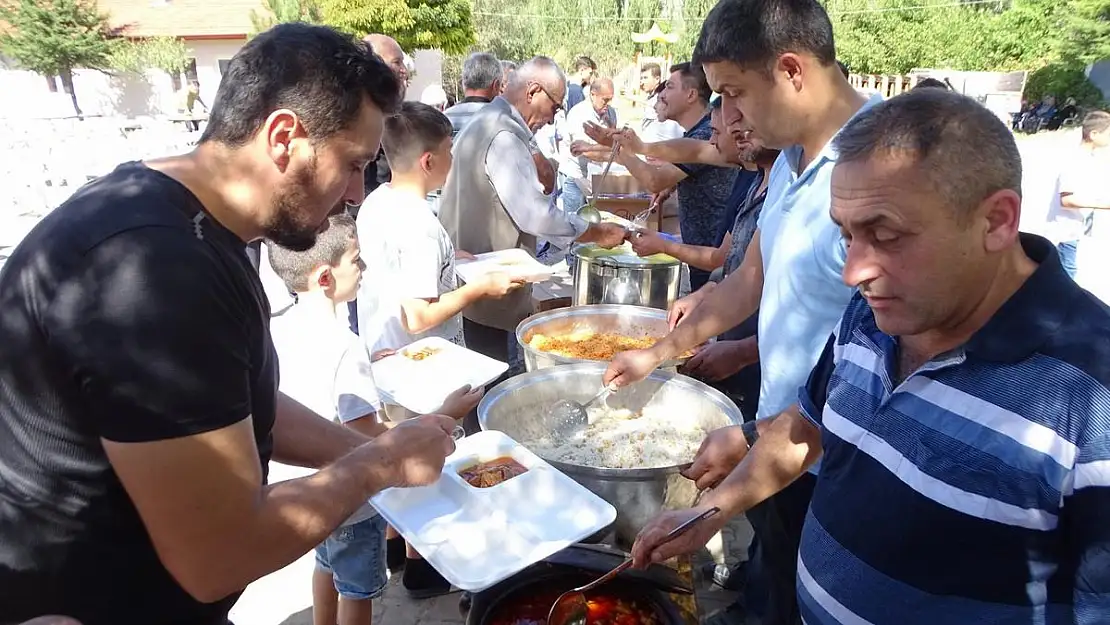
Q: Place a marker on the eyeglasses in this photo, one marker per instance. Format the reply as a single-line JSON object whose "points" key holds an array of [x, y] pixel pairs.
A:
{"points": [[558, 103]]}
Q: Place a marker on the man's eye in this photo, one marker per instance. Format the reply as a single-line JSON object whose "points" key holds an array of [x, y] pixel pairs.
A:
{"points": [[885, 236]]}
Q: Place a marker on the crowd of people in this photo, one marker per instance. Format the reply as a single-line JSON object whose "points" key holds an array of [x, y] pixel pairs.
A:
{"points": [[926, 390]]}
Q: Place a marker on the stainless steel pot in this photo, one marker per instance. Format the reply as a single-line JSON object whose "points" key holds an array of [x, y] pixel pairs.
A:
{"points": [[604, 319], [515, 407], [620, 277]]}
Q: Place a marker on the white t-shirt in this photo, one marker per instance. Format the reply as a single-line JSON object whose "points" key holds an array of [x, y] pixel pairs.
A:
{"points": [[1085, 174], [408, 255], [326, 367], [574, 129]]}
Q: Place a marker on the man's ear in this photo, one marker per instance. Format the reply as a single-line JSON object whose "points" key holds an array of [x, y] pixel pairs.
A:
{"points": [[279, 131], [323, 278], [426, 163]]}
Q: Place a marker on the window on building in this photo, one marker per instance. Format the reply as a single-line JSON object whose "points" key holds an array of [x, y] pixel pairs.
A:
{"points": [[223, 65], [176, 80], [52, 84], [191, 70]]}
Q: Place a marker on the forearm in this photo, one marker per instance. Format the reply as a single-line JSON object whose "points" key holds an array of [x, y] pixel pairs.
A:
{"points": [[302, 438], [369, 426], [290, 519], [788, 445], [1074, 201], [735, 299], [420, 316], [683, 150], [699, 256], [647, 174]]}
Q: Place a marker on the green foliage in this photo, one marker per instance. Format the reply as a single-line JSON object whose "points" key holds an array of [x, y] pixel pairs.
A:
{"points": [[283, 11], [1085, 36], [53, 37], [415, 24], [1063, 82], [168, 54]]}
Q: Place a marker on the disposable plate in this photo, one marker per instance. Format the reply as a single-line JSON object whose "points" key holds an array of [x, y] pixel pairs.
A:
{"points": [[476, 537], [516, 263], [422, 375]]}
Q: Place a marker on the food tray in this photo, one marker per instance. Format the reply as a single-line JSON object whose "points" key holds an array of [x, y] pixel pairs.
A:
{"points": [[422, 385], [517, 263], [476, 537]]}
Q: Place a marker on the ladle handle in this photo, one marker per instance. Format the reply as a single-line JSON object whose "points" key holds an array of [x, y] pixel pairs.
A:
{"points": [[605, 391], [673, 534]]}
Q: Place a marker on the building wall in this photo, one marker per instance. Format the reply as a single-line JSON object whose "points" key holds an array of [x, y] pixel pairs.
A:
{"points": [[127, 95], [1099, 73], [429, 71]]}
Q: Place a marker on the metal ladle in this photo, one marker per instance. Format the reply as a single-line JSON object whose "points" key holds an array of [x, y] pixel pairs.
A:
{"points": [[571, 608], [589, 211], [566, 416]]}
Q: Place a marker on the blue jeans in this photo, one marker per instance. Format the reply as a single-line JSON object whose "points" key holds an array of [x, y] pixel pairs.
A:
{"points": [[1068, 251], [355, 555], [573, 198]]}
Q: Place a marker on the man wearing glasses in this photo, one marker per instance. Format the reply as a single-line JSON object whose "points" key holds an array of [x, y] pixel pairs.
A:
{"points": [[494, 201]]}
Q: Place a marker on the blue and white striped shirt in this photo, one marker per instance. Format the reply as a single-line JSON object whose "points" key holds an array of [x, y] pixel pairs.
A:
{"points": [[978, 489]]}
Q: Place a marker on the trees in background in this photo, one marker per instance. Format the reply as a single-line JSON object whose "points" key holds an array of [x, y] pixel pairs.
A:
{"points": [[283, 11], [54, 37], [415, 24]]}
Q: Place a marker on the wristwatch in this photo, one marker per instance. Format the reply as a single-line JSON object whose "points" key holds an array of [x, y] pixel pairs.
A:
{"points": [[751, 432]]}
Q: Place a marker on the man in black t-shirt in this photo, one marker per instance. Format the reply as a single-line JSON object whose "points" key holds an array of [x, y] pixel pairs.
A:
{"points": [[138, 382]]}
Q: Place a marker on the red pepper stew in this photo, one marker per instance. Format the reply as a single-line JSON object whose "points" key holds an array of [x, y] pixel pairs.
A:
{"points": [[603, 610], [492, 472]]}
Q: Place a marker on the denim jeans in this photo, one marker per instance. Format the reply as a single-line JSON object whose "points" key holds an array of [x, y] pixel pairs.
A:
{"points": [[1068, 251], [571, 194]]}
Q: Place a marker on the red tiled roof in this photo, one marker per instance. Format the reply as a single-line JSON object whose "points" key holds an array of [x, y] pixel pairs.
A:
{"points": [[204, 19]]}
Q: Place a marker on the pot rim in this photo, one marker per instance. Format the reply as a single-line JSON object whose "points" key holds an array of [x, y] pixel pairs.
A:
{"points": [[726, 406], [610, 261], [583, 310]]}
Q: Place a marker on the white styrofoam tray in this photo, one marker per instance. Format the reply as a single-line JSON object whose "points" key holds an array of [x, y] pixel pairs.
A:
{"points": [[517, 263], [476, 537], [422, 385]]}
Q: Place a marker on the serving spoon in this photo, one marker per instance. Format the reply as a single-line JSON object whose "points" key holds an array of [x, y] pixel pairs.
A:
{"points": [[571, 608], [567, 416]]}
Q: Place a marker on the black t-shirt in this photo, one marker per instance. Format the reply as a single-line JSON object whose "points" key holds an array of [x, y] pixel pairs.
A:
{"points": [[131, 315]]}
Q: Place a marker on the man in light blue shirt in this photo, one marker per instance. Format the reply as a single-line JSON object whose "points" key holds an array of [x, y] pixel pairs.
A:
{"points": [[781, 76]]}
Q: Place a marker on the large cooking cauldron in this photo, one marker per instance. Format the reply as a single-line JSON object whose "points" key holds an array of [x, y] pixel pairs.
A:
{"points": [[659, 588]]}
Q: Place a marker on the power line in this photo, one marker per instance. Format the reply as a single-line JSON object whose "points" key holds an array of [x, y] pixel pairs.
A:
{"points": [[614, 18]]}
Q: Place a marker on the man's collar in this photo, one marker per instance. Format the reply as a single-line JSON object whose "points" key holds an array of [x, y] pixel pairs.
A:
{"points": [[502, 102], [1033, 313], [476, 98]]}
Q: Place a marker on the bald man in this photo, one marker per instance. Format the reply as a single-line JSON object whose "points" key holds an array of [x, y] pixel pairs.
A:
{"points": [[574, 170], [494, 201]]}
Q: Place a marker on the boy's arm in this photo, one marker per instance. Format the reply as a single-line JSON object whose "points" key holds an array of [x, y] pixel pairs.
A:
{"points": [[420, 315], [648, 242]]}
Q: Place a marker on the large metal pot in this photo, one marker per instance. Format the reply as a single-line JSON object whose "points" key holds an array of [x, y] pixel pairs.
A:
{"points": [[620, 277], [516, 407], [603, 319]]}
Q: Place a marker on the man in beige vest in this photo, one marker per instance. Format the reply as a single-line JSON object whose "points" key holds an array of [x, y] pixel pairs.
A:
{"points": [[494, 201]]}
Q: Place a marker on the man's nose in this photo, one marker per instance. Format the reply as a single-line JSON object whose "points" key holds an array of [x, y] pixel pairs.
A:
{"points": [[860, 266]]}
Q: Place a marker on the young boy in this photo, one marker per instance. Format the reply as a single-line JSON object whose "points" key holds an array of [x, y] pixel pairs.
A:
{"points": [[411, 290], [325, 366]]}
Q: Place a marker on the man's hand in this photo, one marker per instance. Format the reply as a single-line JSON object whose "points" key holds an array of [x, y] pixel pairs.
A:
{"points": [[650, 548], [719, 454], [460, 402], [683, 307], [717, 361], [647, 242], [606, 235], [416, 450], [590, 150], [631, 367], [601, 134], [464, 255], [498, 284]]}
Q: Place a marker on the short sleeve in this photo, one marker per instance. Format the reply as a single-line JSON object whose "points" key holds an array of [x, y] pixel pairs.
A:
{"points": [[156, 330], [692, 170], [812, 396], [356, 395], [419, 264]]}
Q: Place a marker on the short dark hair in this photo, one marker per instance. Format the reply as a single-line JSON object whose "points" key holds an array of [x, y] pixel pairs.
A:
{"points": [[931, 83], [753, 33], [584, 62], [1095, 121], [843, 69], [413, 131], [934, 128], [693, 78], [294, 267], [319, 73], [653, 68]]}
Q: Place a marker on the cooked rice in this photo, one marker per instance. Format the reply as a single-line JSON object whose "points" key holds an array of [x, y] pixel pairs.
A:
{"points": [[590, 345]]}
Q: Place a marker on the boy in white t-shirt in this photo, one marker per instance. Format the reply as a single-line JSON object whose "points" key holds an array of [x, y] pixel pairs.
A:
{"points": [[325, 367]]}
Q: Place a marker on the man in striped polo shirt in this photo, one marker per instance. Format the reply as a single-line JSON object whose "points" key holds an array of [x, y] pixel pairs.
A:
{"points": [[962, 405]]}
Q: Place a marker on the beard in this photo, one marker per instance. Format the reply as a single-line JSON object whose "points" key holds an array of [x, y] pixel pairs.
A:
{"points": [[291, 223]]}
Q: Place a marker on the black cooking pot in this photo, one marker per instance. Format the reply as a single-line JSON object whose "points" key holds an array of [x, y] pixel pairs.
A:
{"points": [[580, 564]]}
